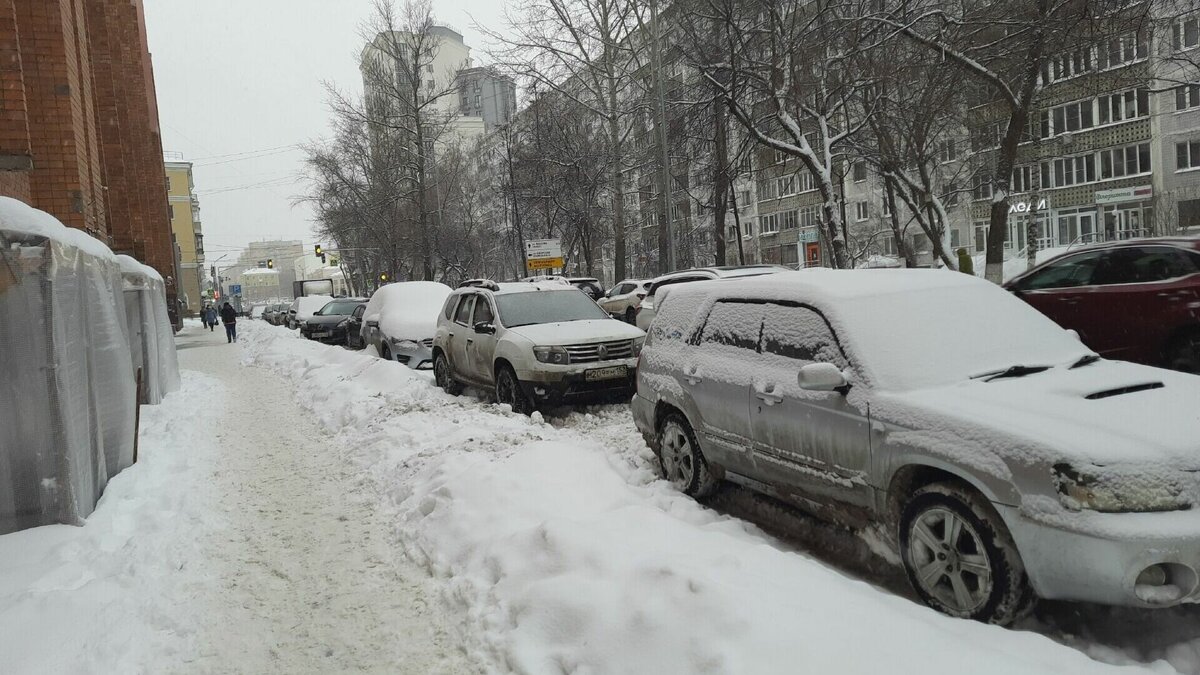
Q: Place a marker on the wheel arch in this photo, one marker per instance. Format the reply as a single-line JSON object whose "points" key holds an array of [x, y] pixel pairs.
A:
{"points": [[915, 475]]}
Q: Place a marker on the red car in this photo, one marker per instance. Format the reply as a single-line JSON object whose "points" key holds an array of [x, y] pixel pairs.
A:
{"points": [[1135, 300]]}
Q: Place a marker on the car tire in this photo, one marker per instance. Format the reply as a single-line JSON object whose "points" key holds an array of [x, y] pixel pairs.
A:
{"points": [[443, 374], [385, 352], [960, 558], [1184, 354], [630, 316], [508, 390], [680, 460]]}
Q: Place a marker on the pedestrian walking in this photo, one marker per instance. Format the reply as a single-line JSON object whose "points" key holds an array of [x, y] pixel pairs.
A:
{"points": [[209, 317], [229, 317]]}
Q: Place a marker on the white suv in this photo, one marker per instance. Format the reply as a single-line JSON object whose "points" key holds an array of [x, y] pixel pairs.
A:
{"points": [[534, 344]]}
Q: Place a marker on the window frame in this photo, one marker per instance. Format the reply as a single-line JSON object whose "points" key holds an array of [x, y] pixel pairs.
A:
{"points": [[466, 297]]}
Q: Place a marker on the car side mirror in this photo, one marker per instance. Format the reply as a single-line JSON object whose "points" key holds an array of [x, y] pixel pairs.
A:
{"points": [[822, 377], [373, 324], [485, 328]]}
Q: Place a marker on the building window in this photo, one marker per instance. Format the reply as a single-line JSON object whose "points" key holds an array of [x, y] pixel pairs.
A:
{"points": [[808, 216], [981, 228], [1187, 96], [768, 189], [1187, 155], [780, 157], [952, 195], [983, 186], [807, 182], [1072, 117], [886, 209], [1124, 106], [1185, 33], [860, 171], [789, 220], [1022, 180], [861, 211], [1120, 51], [477, 100], [171, 211], [1130, 160], [790, 256], [946, 151], [1066, 66], [770, 223], [787, 186], [955, 239], [1071, 170], [748, 229]]}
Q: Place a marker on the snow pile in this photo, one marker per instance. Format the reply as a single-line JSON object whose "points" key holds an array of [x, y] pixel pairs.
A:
{"points": [[408, 310], [566, 554], [105, 597]]}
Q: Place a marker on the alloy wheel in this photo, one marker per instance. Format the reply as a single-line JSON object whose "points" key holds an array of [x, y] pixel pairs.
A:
{"points": [[949, 559], [678, 460]]}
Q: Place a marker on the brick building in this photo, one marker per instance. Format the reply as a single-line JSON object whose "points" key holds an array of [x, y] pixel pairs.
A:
{"points": [[79, 130]]}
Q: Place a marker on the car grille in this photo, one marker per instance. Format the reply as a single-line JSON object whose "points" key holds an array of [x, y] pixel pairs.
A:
{"points": [[600, 351], [428, 342]]}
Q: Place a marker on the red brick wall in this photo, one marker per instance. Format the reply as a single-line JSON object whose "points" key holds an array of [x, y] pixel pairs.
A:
{"points": [[79, 125]]}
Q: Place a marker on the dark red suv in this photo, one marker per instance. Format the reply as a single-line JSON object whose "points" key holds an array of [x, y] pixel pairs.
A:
{"points": [[1135, 300]]}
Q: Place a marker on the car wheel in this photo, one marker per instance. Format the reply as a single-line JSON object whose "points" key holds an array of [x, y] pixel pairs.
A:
{"points": [[630, 316], [680, 459], [444, 375], [960, 558], [385, 352], [508, 390], [1185, 354]]}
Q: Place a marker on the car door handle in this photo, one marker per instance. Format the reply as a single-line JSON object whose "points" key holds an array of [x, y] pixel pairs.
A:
{"points": [[450, 334], [1069, 301], [470, 341], [768, 396]]}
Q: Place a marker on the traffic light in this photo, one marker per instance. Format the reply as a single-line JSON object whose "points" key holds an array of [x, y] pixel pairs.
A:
{"points": [[383, 276], [270, 263], [318, 250]]}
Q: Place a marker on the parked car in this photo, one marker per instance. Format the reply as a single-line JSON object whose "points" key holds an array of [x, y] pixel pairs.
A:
{"points": [[400, 320], [591, 287], [622, 300], [256, 311], [278, 315], [335, 322], [645, 309], [534, 345], [1009, 461], [269, 312], [1135, 300], [303, 308]]}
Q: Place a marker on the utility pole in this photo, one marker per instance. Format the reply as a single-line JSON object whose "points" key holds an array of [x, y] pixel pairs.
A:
{"points": [[666, 238]]}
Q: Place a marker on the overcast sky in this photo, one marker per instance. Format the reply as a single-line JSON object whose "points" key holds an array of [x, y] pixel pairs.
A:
{"points": [[239, 86]]}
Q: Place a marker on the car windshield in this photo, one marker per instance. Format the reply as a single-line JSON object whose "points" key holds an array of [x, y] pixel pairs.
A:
{"points": [[947, 335], [524, 309], [338, 308]]}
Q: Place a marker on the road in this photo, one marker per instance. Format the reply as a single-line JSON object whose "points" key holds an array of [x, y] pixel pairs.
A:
{"points": [[304, 575]]}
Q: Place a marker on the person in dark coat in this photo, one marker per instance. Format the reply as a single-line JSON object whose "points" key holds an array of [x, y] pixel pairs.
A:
{"points": [[229, 318]]}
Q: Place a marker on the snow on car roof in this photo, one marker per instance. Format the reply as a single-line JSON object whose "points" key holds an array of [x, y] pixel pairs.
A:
{"points": [[508, 287]]}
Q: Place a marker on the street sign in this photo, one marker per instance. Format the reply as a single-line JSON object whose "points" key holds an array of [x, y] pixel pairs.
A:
{"points": [[1124, 194], [543, 254], [235, 289]]}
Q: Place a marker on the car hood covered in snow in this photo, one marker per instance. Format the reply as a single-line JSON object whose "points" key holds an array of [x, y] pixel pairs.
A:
{"points": [[1109, 412], [576, 332]]}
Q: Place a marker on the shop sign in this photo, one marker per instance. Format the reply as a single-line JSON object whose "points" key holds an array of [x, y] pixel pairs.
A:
{"points": [[1128, 194], [810, 235], [1026, 207]]}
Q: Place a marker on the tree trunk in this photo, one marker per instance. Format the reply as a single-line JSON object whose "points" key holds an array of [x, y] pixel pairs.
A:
{"points": [[902, 247], [720, 179]]}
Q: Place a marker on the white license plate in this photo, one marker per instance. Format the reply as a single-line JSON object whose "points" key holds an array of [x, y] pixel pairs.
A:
{"points": [[610, 373], [322, 333]]}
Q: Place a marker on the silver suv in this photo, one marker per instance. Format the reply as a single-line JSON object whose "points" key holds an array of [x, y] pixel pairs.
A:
{"points": [[644, 312], [534, 345], [1006, 460]]}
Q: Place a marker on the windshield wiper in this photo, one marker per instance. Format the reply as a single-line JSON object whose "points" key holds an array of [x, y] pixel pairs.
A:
{"points": [[1085, 360], [1011, 371]]}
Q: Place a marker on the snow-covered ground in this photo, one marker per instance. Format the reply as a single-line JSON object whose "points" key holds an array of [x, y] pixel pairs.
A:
{"points": [[304, 508], [559, 551]]}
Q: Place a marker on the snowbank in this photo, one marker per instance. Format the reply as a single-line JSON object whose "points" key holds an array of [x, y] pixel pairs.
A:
{"points": [[564, 552], [98, 598]]}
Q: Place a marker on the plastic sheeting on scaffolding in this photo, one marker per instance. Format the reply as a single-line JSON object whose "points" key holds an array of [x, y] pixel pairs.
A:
{"points": [[67, 374], [148, 327]]}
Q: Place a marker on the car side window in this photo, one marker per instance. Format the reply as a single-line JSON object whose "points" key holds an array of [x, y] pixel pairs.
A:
{"points": [[483, 311], [463, 315], [448, 310], [801, 334], [1070, 272], [733, 324], [358, 311], [625, 288], [1139, 265]]}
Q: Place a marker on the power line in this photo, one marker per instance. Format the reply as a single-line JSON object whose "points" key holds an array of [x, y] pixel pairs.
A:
{"points": [[246, 152], [250, 157]]}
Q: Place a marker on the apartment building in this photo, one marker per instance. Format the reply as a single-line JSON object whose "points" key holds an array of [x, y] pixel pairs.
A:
{"points": [[488, 95], [183, 207]]}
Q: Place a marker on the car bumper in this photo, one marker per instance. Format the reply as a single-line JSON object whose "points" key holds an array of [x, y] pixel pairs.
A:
{"points": [[643, 419], [331, 336], [1097, 557], [564, 387], [419, 358]]}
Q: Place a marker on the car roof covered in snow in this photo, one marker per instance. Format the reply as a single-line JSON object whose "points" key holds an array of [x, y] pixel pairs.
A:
{"points": [[510, 287]]}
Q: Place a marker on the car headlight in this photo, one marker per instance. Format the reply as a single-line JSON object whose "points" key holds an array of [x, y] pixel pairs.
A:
{"points": [[1113, 490], [405, 344], [556, 355], [637, 345]]}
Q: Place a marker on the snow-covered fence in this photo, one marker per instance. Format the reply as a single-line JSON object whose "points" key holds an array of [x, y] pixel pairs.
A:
{"points": [[67, 377]]}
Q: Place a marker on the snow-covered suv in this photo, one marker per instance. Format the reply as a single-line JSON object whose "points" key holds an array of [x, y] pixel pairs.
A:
{"points": [[534, 344]]}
